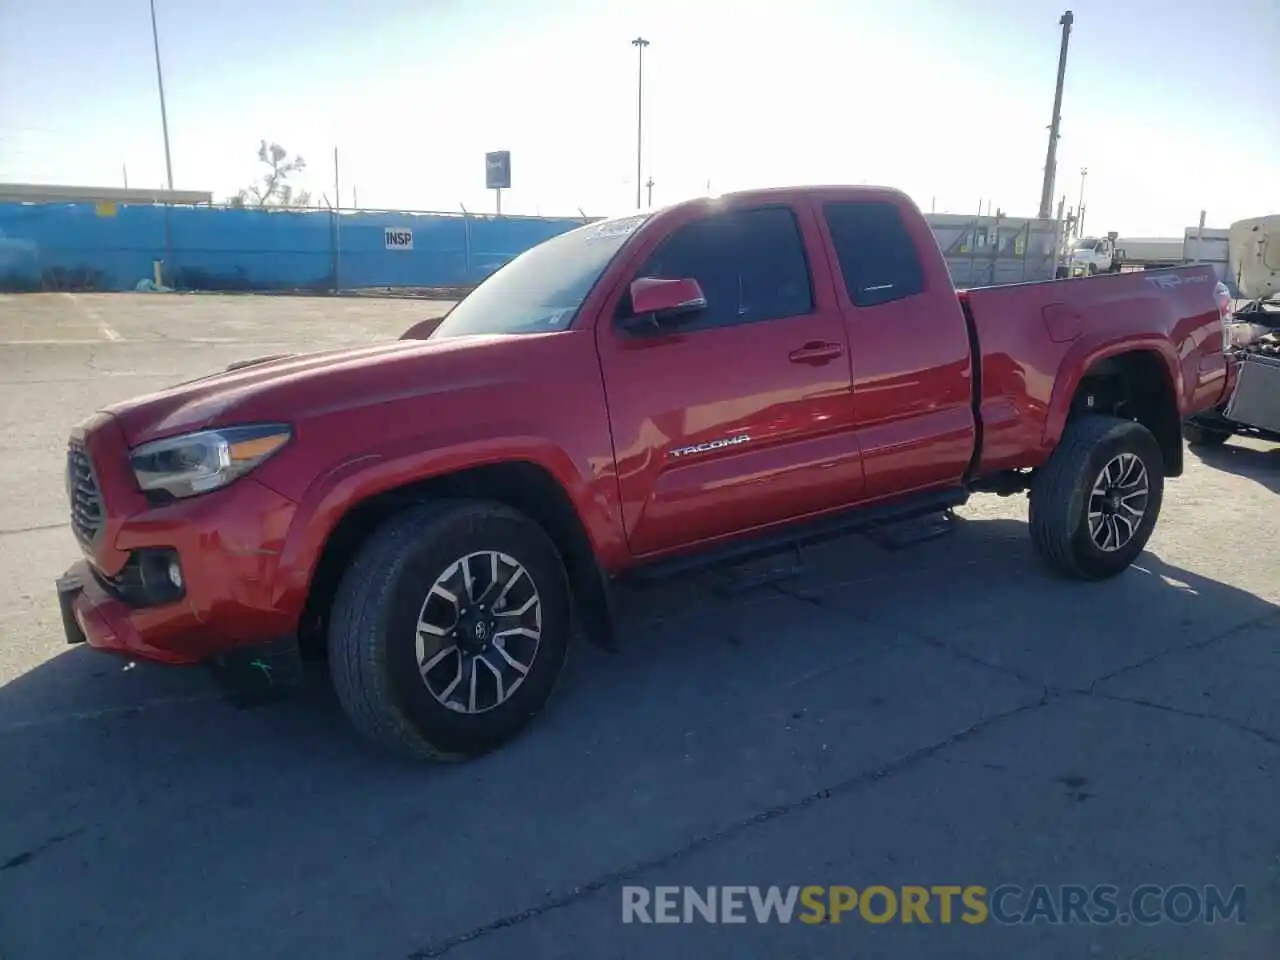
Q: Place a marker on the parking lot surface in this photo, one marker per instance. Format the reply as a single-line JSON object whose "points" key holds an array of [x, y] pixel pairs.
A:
{"points": [[865, 714]]}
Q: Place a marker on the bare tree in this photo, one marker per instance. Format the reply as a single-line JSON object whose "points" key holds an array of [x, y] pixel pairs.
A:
{"points": [[274, 190]]}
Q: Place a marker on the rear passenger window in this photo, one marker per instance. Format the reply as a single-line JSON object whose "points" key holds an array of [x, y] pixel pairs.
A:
{"points": [[877, 255], [750, 264]]}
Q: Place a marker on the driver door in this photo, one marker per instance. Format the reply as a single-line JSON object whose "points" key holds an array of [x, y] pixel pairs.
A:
{"points": [[739, 415]]}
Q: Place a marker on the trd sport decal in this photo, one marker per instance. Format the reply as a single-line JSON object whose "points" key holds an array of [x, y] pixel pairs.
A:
{"points": [[710, 445]]}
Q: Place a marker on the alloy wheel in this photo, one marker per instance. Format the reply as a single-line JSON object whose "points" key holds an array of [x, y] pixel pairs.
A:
{"points": [[1118, 502], [478, 632]]}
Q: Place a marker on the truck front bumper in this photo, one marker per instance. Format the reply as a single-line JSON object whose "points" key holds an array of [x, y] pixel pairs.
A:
{"points": [[91, 614], [224, 548]]}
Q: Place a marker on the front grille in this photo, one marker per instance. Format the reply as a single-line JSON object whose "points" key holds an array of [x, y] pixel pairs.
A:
{"points": [[83, 493]]}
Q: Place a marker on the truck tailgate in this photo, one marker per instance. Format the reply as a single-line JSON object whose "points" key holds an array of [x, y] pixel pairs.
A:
{"points": [[1036, 340]]}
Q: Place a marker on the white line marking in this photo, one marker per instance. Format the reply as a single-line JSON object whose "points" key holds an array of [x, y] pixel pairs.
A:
{"points": [[158, 341], [107, 330], [51, 343]]}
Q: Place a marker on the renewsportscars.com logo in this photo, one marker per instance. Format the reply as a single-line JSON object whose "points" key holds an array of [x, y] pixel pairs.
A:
{"points": [[1007, 904]]}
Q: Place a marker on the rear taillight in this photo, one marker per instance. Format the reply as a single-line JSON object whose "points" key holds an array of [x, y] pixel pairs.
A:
{"points": [[1223, 297]]}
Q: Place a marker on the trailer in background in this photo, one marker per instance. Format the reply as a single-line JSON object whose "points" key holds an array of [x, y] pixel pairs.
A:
{"points": [[1149, 252]]}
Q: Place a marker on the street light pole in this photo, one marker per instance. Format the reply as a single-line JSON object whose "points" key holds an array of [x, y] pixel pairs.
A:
{"points": [[639, 43], [1084, 172], [164, 117]]}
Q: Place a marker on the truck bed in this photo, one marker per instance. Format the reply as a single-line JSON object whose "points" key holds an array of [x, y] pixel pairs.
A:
{"points": [[1022, 403]]}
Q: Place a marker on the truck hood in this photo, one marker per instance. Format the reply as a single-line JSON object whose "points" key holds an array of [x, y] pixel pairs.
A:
{"points": [[299, 386]]}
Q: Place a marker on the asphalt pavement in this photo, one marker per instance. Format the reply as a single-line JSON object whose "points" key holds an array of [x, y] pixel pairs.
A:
{"points": [[866, 714]]}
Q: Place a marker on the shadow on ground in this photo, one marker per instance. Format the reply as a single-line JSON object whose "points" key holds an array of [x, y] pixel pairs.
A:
{"points": [[1262, 466], [185, 827]]}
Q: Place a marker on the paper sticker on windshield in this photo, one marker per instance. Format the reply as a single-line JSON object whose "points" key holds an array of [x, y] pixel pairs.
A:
{"points": [[612, 229]]}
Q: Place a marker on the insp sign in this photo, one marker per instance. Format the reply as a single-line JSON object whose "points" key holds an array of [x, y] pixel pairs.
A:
{"points": [[397, 239]]}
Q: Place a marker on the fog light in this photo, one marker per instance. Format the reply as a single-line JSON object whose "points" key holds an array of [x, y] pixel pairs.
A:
{"points": [[158, 576]]}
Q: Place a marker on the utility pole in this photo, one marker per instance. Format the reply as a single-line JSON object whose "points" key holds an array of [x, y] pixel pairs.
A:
{"points": [[1051, 155], [649, 186], [164, 117], [1084, 172], [639, 43]]}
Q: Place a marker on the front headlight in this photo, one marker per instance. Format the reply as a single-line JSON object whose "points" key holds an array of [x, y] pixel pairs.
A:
{"points": [[199, 462]]}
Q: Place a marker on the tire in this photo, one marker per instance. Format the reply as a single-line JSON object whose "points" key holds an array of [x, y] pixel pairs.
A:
{"points": [[1062, 493], [1199, 436], [376, 642]]}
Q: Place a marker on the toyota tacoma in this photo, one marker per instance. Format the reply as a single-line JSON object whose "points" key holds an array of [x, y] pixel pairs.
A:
{"points": [[725, 376]]}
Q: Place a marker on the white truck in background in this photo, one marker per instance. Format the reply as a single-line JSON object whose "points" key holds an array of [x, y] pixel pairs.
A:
{"points": [[1093, 255], [1112, 253]]}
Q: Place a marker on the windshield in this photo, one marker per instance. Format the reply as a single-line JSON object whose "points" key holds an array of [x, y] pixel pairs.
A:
{"points": [[1088, 243], [541, 290]]}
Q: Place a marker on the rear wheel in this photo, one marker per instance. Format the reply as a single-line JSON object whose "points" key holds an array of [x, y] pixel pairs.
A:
{"points": [[1096, 500], [1199, 436], [450, 629]]}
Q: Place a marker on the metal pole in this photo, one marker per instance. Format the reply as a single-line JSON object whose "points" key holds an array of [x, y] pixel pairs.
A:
{"points": [[1059, 236], [337, 226], [1084, 172], [639, 43], [466, 244], [164, 117], [1026, 248], [649, 186], [1051, 155], [498, 191], [125, 170]]}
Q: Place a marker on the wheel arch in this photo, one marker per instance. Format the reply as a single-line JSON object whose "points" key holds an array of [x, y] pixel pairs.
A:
{"points": [[523, 485], [1136, 382]]}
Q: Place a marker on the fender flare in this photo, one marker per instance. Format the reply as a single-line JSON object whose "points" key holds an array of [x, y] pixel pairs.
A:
{"points": [[358, 479], [1082, 357]]}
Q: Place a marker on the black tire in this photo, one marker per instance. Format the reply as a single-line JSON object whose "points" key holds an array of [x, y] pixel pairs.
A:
{"points": [[1199, 436], [372, 655], [1060, 496]]}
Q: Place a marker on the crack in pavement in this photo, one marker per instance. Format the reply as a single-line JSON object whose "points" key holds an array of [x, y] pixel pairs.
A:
{"points": [[849, 785], [38, 527], [1273, 614], [925, 638], [1263, 735], [22, 859]]}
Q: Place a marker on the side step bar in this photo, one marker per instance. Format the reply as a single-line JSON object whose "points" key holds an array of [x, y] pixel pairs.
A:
{"points": [[854, 520]]}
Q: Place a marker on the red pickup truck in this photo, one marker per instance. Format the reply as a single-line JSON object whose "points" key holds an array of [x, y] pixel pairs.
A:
{"points": [[720, 377]]}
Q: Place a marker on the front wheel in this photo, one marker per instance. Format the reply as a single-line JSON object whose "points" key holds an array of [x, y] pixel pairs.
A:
{"points": [[450, 629], [1095, 501]]}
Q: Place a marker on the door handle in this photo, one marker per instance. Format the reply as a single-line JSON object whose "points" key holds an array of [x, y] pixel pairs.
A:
{"points": [[816, 352]]}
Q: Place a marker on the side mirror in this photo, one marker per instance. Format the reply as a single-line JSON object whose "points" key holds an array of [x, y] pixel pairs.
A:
{"points": [[656, 300]]}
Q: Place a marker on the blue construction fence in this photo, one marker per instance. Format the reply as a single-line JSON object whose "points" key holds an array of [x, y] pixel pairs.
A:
{"points": [[87, 246]]}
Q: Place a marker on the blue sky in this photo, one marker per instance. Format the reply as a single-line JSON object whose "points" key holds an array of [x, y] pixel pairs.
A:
{"points": [[1171, 106]]}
